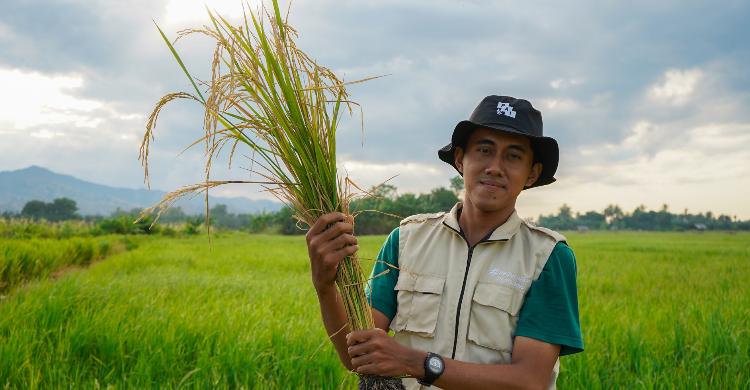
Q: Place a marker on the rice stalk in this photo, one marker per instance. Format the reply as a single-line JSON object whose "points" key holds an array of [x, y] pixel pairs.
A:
{"points": [[268, 95]]}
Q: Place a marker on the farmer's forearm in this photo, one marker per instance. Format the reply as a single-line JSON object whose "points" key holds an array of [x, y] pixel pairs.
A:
{"points": [[334, 318], [470, 376], [531, 367], [373, 351], [329, 241]]}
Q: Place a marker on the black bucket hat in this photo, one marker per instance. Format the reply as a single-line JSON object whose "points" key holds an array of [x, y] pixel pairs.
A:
{"points": [[512, 115]]}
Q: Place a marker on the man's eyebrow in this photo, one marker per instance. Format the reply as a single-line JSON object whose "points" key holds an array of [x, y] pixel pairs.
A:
{"points": [[487, 141], [484, 141], [518, 147]]}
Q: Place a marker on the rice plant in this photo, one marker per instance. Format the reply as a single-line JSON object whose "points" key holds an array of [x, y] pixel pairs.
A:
{"points": [[267, 94], [25, 228], [22, 260], [169, 315]]}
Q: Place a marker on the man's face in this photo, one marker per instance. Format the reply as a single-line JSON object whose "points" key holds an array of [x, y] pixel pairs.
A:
{"points": [[496, 166]]}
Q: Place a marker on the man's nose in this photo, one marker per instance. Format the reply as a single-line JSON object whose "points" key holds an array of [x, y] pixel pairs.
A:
{"points": [[495, 167]]}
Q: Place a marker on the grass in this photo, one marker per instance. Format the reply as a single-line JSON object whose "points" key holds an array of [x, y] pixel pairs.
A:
{"points": [[662, 310], [658, 310], [36, 258], [21, 228], [244, 315]]}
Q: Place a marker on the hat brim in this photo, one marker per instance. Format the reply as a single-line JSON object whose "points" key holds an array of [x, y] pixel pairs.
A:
{"points": [[546, 148]]}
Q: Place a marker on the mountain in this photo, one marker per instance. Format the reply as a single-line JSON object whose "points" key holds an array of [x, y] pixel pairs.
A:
{"points": [[36, 183]]}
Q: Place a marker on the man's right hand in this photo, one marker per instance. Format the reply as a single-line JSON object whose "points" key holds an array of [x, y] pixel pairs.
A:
{"points": [[326, 248]]}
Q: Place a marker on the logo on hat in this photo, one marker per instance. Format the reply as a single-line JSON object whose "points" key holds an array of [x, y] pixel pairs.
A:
{"points": [[505, 109]]}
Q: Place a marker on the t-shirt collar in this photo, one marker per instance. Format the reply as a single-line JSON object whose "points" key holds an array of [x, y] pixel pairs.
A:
{"points": [[503, 233]]}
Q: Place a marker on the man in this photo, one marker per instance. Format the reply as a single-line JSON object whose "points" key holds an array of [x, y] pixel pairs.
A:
{"points": [[489, 300]]}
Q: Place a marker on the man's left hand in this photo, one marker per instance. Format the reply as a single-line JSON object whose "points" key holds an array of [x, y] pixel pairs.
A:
{"points": [[373, 351]]}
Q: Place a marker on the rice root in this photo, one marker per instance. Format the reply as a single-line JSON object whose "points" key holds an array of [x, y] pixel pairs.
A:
{"points": [[375, 382]]}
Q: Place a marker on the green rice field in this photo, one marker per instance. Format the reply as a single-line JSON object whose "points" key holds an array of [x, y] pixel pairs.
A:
{"points": [[658, 310], [37, 258]]}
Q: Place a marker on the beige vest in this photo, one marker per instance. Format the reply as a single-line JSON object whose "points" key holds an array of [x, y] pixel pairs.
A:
{"points": [[461, 310]]}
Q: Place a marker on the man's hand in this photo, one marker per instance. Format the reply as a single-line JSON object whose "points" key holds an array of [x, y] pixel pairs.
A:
{"points": [[373, 351], [326, 247]]}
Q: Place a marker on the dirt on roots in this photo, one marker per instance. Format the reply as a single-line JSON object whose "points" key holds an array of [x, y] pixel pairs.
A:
{"points": [[374, 382]]}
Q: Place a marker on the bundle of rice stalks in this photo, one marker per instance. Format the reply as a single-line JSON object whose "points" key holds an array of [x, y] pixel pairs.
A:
{"points": [[273, 98]]}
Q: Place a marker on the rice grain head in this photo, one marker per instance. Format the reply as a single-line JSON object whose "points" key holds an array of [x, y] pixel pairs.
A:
{"points": [[268, 95]]}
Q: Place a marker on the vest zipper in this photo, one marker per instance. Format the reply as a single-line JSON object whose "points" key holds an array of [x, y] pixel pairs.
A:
{"points": [[461, 299], [466, 275]]}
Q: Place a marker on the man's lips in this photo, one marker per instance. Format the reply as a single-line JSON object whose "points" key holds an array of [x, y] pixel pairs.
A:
{"points": [[492, 184]]}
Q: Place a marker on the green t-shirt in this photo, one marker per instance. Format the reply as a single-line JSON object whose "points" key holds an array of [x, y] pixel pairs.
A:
{"points": [[549, 312]]}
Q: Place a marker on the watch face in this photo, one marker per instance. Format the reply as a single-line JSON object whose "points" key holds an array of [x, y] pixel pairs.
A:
{"points": [[435, 365]]}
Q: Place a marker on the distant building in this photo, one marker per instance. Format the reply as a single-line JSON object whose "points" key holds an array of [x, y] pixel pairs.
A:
{"points": [[583, 228], [699, 227]]}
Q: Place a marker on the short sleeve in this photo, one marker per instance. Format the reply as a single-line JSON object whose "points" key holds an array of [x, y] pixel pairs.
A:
{"points": [[380, 289], [550, 310]]}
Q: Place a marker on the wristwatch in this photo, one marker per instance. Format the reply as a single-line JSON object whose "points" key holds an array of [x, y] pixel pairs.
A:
{"points": [[433, 368]]}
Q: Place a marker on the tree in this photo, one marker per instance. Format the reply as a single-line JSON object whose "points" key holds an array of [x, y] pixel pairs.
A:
{"points": [[440, 199], [725, 221], [193, 225], [220, 210], [62, 209], [613, 213], [663, 219], [174, 214], [260, 221], [592, 219], [8, 215], [385, 191], [223, 219], [35, 209], [457, 185], [286, 222], [564, 219], [125, 224], [565, 214]]}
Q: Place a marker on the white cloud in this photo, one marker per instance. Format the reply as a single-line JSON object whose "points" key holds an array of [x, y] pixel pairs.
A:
{"points": [[46, 134], [396, 65], [703, 173], [191, 10], [130, 117], [645, 136], [29, 99], [564, 83], [5, 32], [407, 177], [707, 153], [720, 197], [677, 87], [559, 105], [621, 101]]}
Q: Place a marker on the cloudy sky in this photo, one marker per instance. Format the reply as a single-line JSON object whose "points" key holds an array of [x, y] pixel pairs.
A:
{"points": [[649, 101]]}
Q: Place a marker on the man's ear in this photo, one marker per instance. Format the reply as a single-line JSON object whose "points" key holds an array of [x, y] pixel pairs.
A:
{"points": [[458, 159], [536, 170]]}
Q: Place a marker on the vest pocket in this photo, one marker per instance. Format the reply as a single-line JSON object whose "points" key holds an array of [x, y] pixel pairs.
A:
{"points": [[418, 303], [494, 315]]}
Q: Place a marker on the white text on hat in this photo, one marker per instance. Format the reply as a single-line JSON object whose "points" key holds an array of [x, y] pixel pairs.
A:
{"points": [[505, 109]]}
